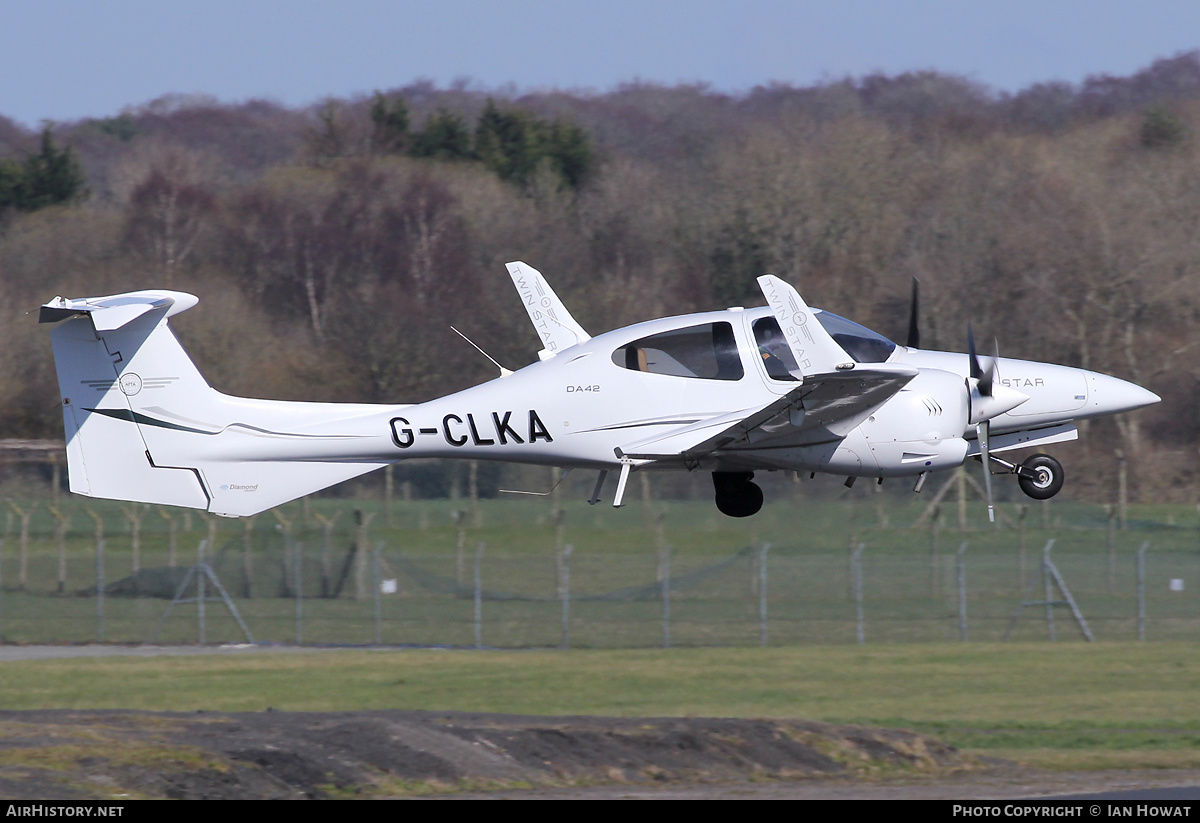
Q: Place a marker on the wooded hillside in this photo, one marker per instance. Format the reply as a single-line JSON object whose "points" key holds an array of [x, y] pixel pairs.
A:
{"points": [[333, 246]]}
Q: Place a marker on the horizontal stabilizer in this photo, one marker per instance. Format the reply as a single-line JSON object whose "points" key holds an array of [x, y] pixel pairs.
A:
{"points": [[110, 313]]}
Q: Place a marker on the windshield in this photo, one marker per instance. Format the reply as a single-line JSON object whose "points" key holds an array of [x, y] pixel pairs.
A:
{"points": [[862, 344]]}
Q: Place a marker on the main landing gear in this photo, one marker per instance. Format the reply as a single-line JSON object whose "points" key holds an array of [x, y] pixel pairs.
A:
{"points": [[1039, 476], [737, 494]]}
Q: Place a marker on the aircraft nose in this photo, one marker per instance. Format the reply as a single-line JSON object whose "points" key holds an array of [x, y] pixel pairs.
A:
{"points": [[1111, 395]]}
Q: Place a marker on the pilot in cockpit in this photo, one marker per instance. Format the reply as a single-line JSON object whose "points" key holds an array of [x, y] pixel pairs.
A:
{"points": [[774, 351]]}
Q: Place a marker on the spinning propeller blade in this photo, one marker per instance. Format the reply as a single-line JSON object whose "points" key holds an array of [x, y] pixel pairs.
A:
{"points": [[982, 411], [914, 312], [984, 432]]}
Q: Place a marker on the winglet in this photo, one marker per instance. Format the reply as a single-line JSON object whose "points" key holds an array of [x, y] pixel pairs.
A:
{"points": [[555, 326], [816, 352]]}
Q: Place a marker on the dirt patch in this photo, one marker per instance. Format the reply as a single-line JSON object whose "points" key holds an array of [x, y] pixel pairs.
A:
{"points": [[103, 755], [124, 754]]}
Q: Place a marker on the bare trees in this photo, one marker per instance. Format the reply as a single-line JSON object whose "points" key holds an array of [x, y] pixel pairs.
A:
{"points": [[1053, 219], [168, 209]]}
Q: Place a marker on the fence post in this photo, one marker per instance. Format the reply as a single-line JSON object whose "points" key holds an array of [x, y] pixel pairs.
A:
{"points": [[859, 632], [247, 554], [134, 515], [1122, 489], [762, 593], [664, 593], [478, 596], [363, 521], [962, 592], [62, 524], [377, 585], [961, 475], [1047, 582], [934, 523], [460, 546], [284, 526], [201, 595], [23, 546], [851, 547], [1111, 544], [565, 592], [473, 493], [100, 590], [1022, 513], [172, 535], [389, 483], [99, 521], [326, 549], [1141, 590], [298, 590]]}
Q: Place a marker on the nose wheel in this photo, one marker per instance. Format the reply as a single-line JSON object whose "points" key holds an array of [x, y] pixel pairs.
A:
{"points": [[737, 494], [1040, 477]]}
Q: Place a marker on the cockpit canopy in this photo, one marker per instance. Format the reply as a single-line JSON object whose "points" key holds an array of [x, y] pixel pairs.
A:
{"points": [[709, 350]]}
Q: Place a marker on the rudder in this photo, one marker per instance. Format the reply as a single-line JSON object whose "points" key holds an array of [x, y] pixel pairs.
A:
{"points": [[107, 457]]}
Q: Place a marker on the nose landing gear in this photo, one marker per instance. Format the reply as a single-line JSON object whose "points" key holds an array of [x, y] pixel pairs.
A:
{"points": [[737, 494], [1039, 476]]}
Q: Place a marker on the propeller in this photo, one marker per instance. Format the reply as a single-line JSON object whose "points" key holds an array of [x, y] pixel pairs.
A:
{"points": [[914, 331], [986, 400]]}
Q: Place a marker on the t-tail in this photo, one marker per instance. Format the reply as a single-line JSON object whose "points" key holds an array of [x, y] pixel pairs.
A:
{"points": [[142, 424]]}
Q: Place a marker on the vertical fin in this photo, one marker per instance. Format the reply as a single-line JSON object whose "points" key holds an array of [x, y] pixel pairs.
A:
{"points": [[142, 424]]}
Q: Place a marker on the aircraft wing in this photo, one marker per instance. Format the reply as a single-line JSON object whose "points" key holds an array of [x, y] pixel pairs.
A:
{"points": [[824, 406]]}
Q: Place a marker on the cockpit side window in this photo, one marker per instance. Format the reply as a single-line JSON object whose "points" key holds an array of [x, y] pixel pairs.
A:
{"points": [[776, 354], [708, 351]]}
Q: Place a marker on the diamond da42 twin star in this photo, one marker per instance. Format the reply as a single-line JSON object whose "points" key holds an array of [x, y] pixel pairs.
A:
{"points": [[729, 392]]}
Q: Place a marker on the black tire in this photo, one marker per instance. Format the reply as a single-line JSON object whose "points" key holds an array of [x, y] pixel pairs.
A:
{"points": [[1049, 480], [736, 495]]}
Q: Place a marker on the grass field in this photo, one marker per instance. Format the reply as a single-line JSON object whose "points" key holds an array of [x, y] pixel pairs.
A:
{"points": [[1068, 704], [1105, 705]]}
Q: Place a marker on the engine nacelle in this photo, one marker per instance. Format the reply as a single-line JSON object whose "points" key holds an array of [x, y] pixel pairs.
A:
{"points": [[939, 400]]}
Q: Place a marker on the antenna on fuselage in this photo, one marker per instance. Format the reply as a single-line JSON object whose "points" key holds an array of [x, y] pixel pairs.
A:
{"points": [[503, 371]]}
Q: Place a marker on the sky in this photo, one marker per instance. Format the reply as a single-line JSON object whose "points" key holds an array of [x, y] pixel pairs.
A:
{"points": [[64, 60]]}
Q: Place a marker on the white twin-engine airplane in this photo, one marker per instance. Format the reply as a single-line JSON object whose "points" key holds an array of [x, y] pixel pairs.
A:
{"points": [[731, 392]]}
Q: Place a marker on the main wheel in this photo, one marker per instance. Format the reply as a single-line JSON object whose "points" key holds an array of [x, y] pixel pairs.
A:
{"points": [[1049, 479], [737, 495]]}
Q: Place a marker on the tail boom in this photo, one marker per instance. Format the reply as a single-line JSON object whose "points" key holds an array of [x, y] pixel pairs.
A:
{"points": [[143, 425]]}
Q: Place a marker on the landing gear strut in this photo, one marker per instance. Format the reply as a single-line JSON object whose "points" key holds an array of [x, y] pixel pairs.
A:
{"points": [[737, 495]]}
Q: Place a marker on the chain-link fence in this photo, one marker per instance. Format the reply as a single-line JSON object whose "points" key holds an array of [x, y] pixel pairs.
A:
{"points": [[528, 577]]}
